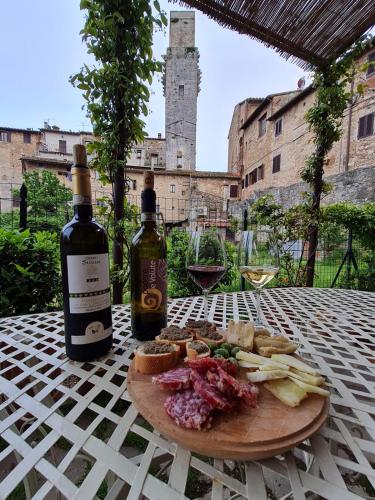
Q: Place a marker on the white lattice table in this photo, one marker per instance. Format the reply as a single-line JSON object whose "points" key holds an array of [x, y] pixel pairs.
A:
{"points": [[69, 430]]}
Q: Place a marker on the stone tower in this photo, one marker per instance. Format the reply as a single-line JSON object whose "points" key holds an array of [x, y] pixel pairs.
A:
{"points": [[181, 87]]}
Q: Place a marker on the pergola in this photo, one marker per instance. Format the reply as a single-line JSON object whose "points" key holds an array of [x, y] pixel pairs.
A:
{"points": [[312, 32]]}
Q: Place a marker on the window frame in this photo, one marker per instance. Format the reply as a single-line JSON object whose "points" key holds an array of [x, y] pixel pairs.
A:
{"points": [[367, 131], [233, 188], [172, 188], [138, 154], [278, 129], [276, 164], [262, 121], [62, 149], [260, 172], [181, 91], [7, 135], [371, 64], [28, 136]]}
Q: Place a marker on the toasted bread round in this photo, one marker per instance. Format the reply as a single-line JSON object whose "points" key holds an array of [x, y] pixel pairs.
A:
{"points": [[193, 353], [193, 326], [208, 340], [181, 343], [155, 363]]}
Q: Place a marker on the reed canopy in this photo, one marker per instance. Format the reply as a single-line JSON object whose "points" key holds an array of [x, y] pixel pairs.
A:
{"points": [[311, 32]]}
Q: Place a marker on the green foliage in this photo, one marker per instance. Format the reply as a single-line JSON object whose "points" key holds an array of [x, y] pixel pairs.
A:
{"points": [[47, 201], [29, 272]]}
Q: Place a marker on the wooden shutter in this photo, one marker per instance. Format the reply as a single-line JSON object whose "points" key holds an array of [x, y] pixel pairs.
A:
{"points": [[361, 127], [371, 64], [276, 164], [233, 191]]}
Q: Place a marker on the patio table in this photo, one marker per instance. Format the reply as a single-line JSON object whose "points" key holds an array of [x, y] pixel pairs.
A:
{"points": [[69, 430]]}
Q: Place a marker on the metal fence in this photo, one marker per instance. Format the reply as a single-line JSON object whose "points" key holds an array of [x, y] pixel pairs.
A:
{"points": [[338, 257]]}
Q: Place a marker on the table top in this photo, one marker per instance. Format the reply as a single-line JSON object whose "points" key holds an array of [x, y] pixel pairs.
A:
{"points": [[69, 428]]}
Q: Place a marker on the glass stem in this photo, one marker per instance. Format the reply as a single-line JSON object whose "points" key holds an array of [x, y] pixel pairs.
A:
{"points": [[258, 320], [205, 293]]}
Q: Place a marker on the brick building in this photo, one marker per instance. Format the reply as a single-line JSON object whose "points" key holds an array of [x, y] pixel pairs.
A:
{"points": [[269, 140]]}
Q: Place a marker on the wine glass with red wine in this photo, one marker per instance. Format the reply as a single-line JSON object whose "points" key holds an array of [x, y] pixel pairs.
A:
{"points": [[206, 261]]}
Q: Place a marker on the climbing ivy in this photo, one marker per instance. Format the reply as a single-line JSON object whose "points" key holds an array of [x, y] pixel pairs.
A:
{"points": [[333, 94], [118, 34]]}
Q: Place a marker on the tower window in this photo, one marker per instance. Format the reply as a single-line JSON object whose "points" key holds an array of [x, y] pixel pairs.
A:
{"points": [[172, 188], [27, 138], [179, 159], [181, 90]]}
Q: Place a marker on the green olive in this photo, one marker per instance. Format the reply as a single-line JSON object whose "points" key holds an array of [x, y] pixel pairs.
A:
{"points": [[233, 360], [226, 346], [219, 356], [222, 352], [235, 350]]}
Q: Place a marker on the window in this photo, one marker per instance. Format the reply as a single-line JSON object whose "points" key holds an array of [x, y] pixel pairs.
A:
{"points": [[371, 64], [233, 191], [260, 174], [62, 147], [27, 138], [262, 125], [183, 192], [5, 136], [278, 126], [243, 183], [134, 184], [179, 159], [276, 163], [139, 154], [158, 209], [172, 188], [253, 177], [366, 125], [154, 160], [181, 90], [246, 180]]}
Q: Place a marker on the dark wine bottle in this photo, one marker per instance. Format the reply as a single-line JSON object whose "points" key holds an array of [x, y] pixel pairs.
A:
{"points": [[85, 273], [148, 270]]}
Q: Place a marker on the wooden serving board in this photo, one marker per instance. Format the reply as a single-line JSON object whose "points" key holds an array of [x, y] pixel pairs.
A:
{"points": [[254, 433]]}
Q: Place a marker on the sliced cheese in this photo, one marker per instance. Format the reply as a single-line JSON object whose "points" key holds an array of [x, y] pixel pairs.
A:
{"points": [[306, 377], [259, 376], [294, 363], [286, 391], [312, 388], [245, 364], [273, 365]]}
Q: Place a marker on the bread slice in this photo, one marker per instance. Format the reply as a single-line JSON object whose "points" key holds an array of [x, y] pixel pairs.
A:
{"points": [[193, 354], [181, 343], [155, 363]]}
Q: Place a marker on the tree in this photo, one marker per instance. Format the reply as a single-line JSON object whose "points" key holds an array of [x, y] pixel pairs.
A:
{"points": [[325, 119], [118, 33], [47, 200]]}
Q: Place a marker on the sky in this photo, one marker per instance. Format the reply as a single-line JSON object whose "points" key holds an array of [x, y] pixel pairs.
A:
{"points": [[40, 47]]}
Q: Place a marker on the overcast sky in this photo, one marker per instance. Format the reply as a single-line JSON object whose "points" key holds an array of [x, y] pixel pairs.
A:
{"points": [[40, 47]]}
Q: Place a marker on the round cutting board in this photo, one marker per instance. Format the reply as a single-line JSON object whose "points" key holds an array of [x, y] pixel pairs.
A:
{"points": [[253, 433]]}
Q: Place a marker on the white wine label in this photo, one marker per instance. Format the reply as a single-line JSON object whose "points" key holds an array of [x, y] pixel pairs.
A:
{"points": [[94, 332], [88, 281], [154, 284]]}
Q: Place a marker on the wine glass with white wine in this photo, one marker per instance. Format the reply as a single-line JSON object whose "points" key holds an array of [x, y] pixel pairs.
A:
{"points": [[258, 261]]}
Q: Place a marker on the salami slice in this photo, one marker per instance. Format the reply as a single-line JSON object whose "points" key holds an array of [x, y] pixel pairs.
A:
{"points": [[210, 394], [202, 365], [174, 380], [189, 410], [248, 394]]}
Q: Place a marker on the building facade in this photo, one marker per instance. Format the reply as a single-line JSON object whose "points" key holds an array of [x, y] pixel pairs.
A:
{"points": [[269, 141], [181, 81]]}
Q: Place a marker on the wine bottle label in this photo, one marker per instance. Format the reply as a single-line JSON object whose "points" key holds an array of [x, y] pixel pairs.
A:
{"points": [[88, 282], [94, 332], [148, 216], [154, 283]]}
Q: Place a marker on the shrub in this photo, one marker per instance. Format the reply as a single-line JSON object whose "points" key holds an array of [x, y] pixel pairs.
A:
{"points": [[29, 272]]}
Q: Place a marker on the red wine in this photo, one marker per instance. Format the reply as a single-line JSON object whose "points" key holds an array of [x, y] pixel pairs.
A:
{"points": [[85, 273], [206, 276]]}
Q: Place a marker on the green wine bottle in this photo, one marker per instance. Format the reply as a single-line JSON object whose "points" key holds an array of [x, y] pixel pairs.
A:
{"points": [[148, 270], [85, 273]]}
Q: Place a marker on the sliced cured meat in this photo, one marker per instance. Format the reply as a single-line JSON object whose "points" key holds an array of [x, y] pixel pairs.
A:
{"points": [[224, 382], [189, 410], [202, 365], [210, 394], [248, 394], [174, 380]]}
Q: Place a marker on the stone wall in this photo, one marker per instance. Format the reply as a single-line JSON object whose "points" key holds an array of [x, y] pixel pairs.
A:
{"points": [[356, 186]]}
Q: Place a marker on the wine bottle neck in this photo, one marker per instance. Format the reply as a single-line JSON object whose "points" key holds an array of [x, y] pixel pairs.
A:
{"points": [[83, 212]]}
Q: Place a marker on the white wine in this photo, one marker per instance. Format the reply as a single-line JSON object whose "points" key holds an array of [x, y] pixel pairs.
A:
{"points": [[259, 276], [85, 273], [148, 270]]}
